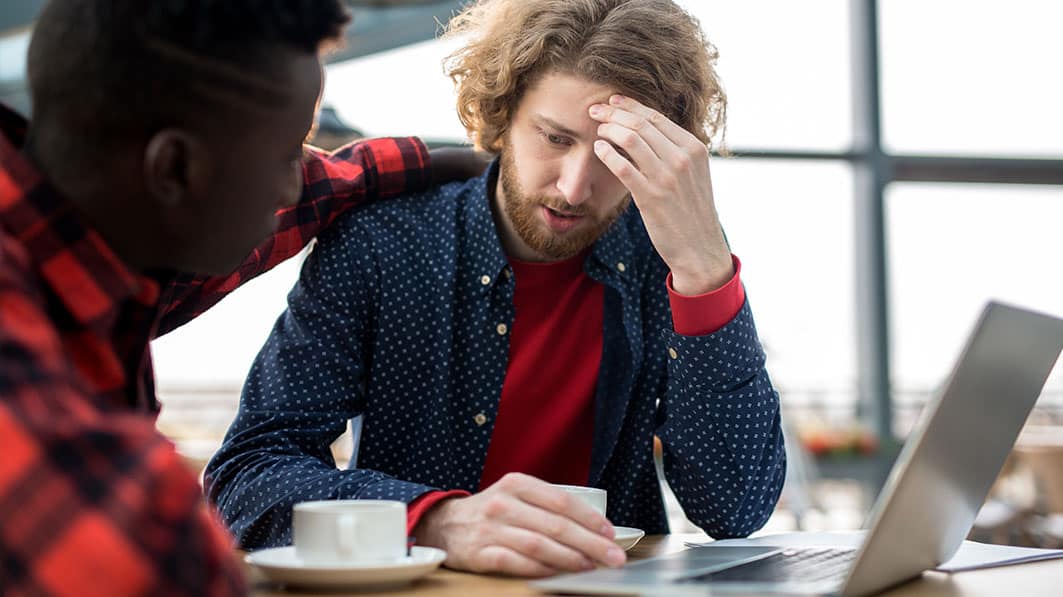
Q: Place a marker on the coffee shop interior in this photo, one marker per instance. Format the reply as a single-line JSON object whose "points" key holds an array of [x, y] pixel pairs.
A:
{"points": [[894, 166]]}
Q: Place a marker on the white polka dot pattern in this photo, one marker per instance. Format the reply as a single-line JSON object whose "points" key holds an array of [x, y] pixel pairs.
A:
{"points": [[398, 316]]}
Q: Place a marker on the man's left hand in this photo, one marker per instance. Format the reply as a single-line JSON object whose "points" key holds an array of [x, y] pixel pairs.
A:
{"points": [[666, 169]]}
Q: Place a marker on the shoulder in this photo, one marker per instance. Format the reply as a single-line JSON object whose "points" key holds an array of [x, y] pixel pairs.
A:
{"points": [[29, 340], [411, 219], [427, 208]]}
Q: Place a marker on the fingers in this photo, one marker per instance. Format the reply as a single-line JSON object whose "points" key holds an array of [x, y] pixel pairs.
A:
{"points": [[503, 560], [544, 496], [637, 135], [672, 131], [651, 155], [569, 526], [523, 526], [546, 551], [559, 541], [622, 168]]}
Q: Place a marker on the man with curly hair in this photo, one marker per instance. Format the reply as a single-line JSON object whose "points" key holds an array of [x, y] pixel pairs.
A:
{"points": [[538, 325], [167, 138]]}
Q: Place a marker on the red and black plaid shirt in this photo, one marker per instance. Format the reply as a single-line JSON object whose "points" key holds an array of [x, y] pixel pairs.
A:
{"points": [[93, 500]]}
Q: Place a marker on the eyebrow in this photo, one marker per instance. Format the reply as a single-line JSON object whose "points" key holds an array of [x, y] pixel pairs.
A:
{"points": [[564, 130]]}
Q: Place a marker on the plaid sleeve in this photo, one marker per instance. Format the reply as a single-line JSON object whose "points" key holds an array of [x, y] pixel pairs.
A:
{"points": [[332, 183], [94, 503]]}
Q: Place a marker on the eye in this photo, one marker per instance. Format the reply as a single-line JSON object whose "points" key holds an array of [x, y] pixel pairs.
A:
{"points": [[552, 139]]}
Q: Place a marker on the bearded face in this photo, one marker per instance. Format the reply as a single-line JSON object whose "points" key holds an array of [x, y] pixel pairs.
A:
{"points": [[548, 224]]}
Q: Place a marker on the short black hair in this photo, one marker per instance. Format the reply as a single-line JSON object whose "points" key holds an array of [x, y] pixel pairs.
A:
{"points": [[111, 71]]}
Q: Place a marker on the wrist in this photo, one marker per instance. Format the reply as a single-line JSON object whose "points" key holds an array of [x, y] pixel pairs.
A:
{"points": [[428, 530], [688, 283]]}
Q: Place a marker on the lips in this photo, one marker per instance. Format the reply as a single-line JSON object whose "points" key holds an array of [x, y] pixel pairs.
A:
{"points": [[560, 221]]}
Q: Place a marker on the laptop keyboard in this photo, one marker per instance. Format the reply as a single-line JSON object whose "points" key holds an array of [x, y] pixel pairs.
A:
{"points": [[790, 565]]}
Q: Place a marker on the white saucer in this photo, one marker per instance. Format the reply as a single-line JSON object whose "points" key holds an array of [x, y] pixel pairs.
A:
{"points": [[627, 537], [281, 565]]}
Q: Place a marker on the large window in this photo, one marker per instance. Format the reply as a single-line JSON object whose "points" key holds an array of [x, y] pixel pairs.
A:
{"points": [[785, 66], [962, 78], [952, 248], [972, 77]]}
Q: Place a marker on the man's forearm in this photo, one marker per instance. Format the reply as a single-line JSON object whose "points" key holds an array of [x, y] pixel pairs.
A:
{"points": [[723, 424], [255, 489]]}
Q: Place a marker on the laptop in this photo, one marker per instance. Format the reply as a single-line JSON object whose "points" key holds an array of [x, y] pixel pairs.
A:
{"points": [[928, 504]]}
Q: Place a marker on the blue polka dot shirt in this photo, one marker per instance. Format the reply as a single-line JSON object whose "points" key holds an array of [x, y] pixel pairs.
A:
{"points": [[400, 317]]}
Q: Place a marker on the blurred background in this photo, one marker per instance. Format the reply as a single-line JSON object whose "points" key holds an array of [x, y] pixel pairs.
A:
{"points": [[897, 164]]}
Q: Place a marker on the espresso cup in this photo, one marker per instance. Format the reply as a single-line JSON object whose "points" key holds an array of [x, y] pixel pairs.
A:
{"points": [[349, 531], [594, 497]]}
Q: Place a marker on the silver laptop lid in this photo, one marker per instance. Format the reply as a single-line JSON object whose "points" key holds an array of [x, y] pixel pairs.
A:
{"points": [[956, 451]]}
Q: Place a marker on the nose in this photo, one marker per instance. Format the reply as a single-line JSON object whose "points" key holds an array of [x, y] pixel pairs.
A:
{"points": [[574, 182]]}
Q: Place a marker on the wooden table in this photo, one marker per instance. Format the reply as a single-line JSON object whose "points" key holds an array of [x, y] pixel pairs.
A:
{"points": [[1035, 579]]}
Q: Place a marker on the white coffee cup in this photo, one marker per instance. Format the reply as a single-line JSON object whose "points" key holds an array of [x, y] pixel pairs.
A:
{"points": [[349, 531], [595, 498]]}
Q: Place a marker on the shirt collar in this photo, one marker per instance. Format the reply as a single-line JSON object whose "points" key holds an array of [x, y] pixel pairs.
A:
{"points": [[611, 260], [73, 259], [484, 248]]}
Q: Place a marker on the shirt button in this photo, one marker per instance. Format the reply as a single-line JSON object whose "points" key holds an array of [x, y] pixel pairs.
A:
{"points": [[485, 280], [508, 272], [480, 419], [621, 267], [502, 329], [672, 353]]}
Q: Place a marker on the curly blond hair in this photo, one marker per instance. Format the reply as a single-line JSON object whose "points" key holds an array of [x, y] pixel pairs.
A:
{"points": [[651, 50]]}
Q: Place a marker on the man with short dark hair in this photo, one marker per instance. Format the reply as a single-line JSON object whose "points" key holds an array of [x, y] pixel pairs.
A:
{"points": [[167, 138]]}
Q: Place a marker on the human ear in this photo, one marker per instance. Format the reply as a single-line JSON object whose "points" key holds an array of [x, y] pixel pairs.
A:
{"points": [[171, 158]]}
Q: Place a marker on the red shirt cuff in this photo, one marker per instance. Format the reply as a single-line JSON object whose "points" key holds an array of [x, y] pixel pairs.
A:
{"points": [[417, 508], [704, 314]]}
